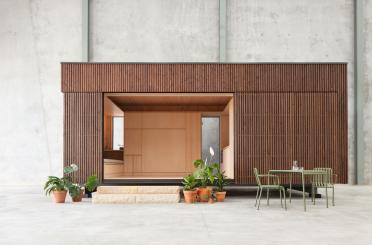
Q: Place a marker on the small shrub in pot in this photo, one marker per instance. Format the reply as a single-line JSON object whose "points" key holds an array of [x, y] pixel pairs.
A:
{"points": [[189, 183], [221, 182], [57, 186], [91, 185], [76, 192]]}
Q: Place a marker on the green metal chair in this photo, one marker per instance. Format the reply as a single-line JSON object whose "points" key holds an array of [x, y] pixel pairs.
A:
{"points": [[274, 186], [324, 181]]}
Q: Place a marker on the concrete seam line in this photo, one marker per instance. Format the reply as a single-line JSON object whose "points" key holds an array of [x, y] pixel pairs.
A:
{"points": [[222, 30], [359, 86], [85, 30]]}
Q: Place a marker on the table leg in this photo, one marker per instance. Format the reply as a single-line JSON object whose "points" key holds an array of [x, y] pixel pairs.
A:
{"points": [[290, 187], [268, 190], [303, 189]]}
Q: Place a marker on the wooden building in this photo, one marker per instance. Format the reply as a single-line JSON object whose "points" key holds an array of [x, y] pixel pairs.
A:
{"points": [[270, 115]]}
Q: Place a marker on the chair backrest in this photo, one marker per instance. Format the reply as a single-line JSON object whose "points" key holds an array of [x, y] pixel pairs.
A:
{"points": [[323, 179], [256, 176]]}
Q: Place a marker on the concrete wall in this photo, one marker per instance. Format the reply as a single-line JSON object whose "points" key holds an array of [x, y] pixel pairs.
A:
{"points": [[154, 31], [295, 31], [368, 92], [36, 35]]}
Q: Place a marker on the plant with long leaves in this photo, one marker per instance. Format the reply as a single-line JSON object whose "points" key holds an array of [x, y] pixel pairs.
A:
{"points": [[221, 179], [91, 183], [189, 182], [205, 172], [56, 184]]}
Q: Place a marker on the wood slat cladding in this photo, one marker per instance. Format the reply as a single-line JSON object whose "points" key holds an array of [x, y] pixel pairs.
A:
{"points": [[129, 77], [273, 129], [83, 117], [282, 112]]}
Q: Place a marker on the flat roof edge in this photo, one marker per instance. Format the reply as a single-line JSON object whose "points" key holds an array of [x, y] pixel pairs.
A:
{"points": [[212, 63]]}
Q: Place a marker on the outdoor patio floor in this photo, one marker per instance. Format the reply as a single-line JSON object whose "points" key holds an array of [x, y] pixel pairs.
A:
{"points": [[29, 217]]}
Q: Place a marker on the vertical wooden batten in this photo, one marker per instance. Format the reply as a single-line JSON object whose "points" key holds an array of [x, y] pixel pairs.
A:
{"points": [[83, 133]]}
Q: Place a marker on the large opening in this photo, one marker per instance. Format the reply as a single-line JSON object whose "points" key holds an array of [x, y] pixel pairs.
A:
{"points": [[159, 135]]}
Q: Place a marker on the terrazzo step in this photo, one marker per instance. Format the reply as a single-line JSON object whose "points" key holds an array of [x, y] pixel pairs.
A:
{"points": [[136, 194], [99, 198], [138, 189]]}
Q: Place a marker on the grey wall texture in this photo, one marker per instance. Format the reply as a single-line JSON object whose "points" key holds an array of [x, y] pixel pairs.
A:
{"points": [[36, 35], [367, 126]]}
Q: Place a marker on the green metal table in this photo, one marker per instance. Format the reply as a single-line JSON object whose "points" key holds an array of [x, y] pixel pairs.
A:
{"points": [[303, 173]]}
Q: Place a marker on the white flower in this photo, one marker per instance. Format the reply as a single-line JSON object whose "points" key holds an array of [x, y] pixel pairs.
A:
{"points": [[211, 151]]}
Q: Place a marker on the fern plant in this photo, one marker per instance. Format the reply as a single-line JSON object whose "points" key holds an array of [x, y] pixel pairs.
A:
{"points": [[91, 183]]}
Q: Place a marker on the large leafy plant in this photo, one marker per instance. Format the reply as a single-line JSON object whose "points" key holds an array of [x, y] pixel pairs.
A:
{"points": [[205, 172], [56, 184], [74, 190], [189, 182]]}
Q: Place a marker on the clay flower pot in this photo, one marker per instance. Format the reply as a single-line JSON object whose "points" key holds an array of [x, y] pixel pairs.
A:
{"points": [[220, 196], [59, 196], [190, 196], [204, 194], [78, 198]]}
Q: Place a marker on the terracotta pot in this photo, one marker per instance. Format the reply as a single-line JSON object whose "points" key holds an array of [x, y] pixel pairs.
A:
{"points": [[220, 196], [204, 194], [78, 198], [59, 196], [190, 196]]}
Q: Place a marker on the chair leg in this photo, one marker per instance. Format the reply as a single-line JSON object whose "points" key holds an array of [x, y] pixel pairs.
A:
{"points": [[285, 201], [258, 190], [259, 199], [313, 194], [281, 200], [327, 195], [333, 196], [268, 191]]}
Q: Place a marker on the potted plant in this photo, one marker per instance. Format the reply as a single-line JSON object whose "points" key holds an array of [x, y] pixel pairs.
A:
{"points": [[91, 185], [57, 186], [76, 192], [205, 176], [221, 182], [189, 183]]}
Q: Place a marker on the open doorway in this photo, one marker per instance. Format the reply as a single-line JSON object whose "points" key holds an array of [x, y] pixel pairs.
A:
{"points": [[162, 134]]}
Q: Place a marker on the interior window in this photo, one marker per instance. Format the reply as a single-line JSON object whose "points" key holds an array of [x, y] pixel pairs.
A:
{"points": [[211, 138], [118, 133]]}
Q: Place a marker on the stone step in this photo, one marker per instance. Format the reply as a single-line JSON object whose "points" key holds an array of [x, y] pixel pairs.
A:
{"points": [[118, 198], [138, 190]]}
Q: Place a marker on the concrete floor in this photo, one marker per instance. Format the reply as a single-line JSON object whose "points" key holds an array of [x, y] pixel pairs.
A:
{"points": [[28, 217]]}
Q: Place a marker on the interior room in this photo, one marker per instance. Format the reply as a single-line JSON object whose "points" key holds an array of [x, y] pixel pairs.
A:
{"points": [[159, 135]]}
